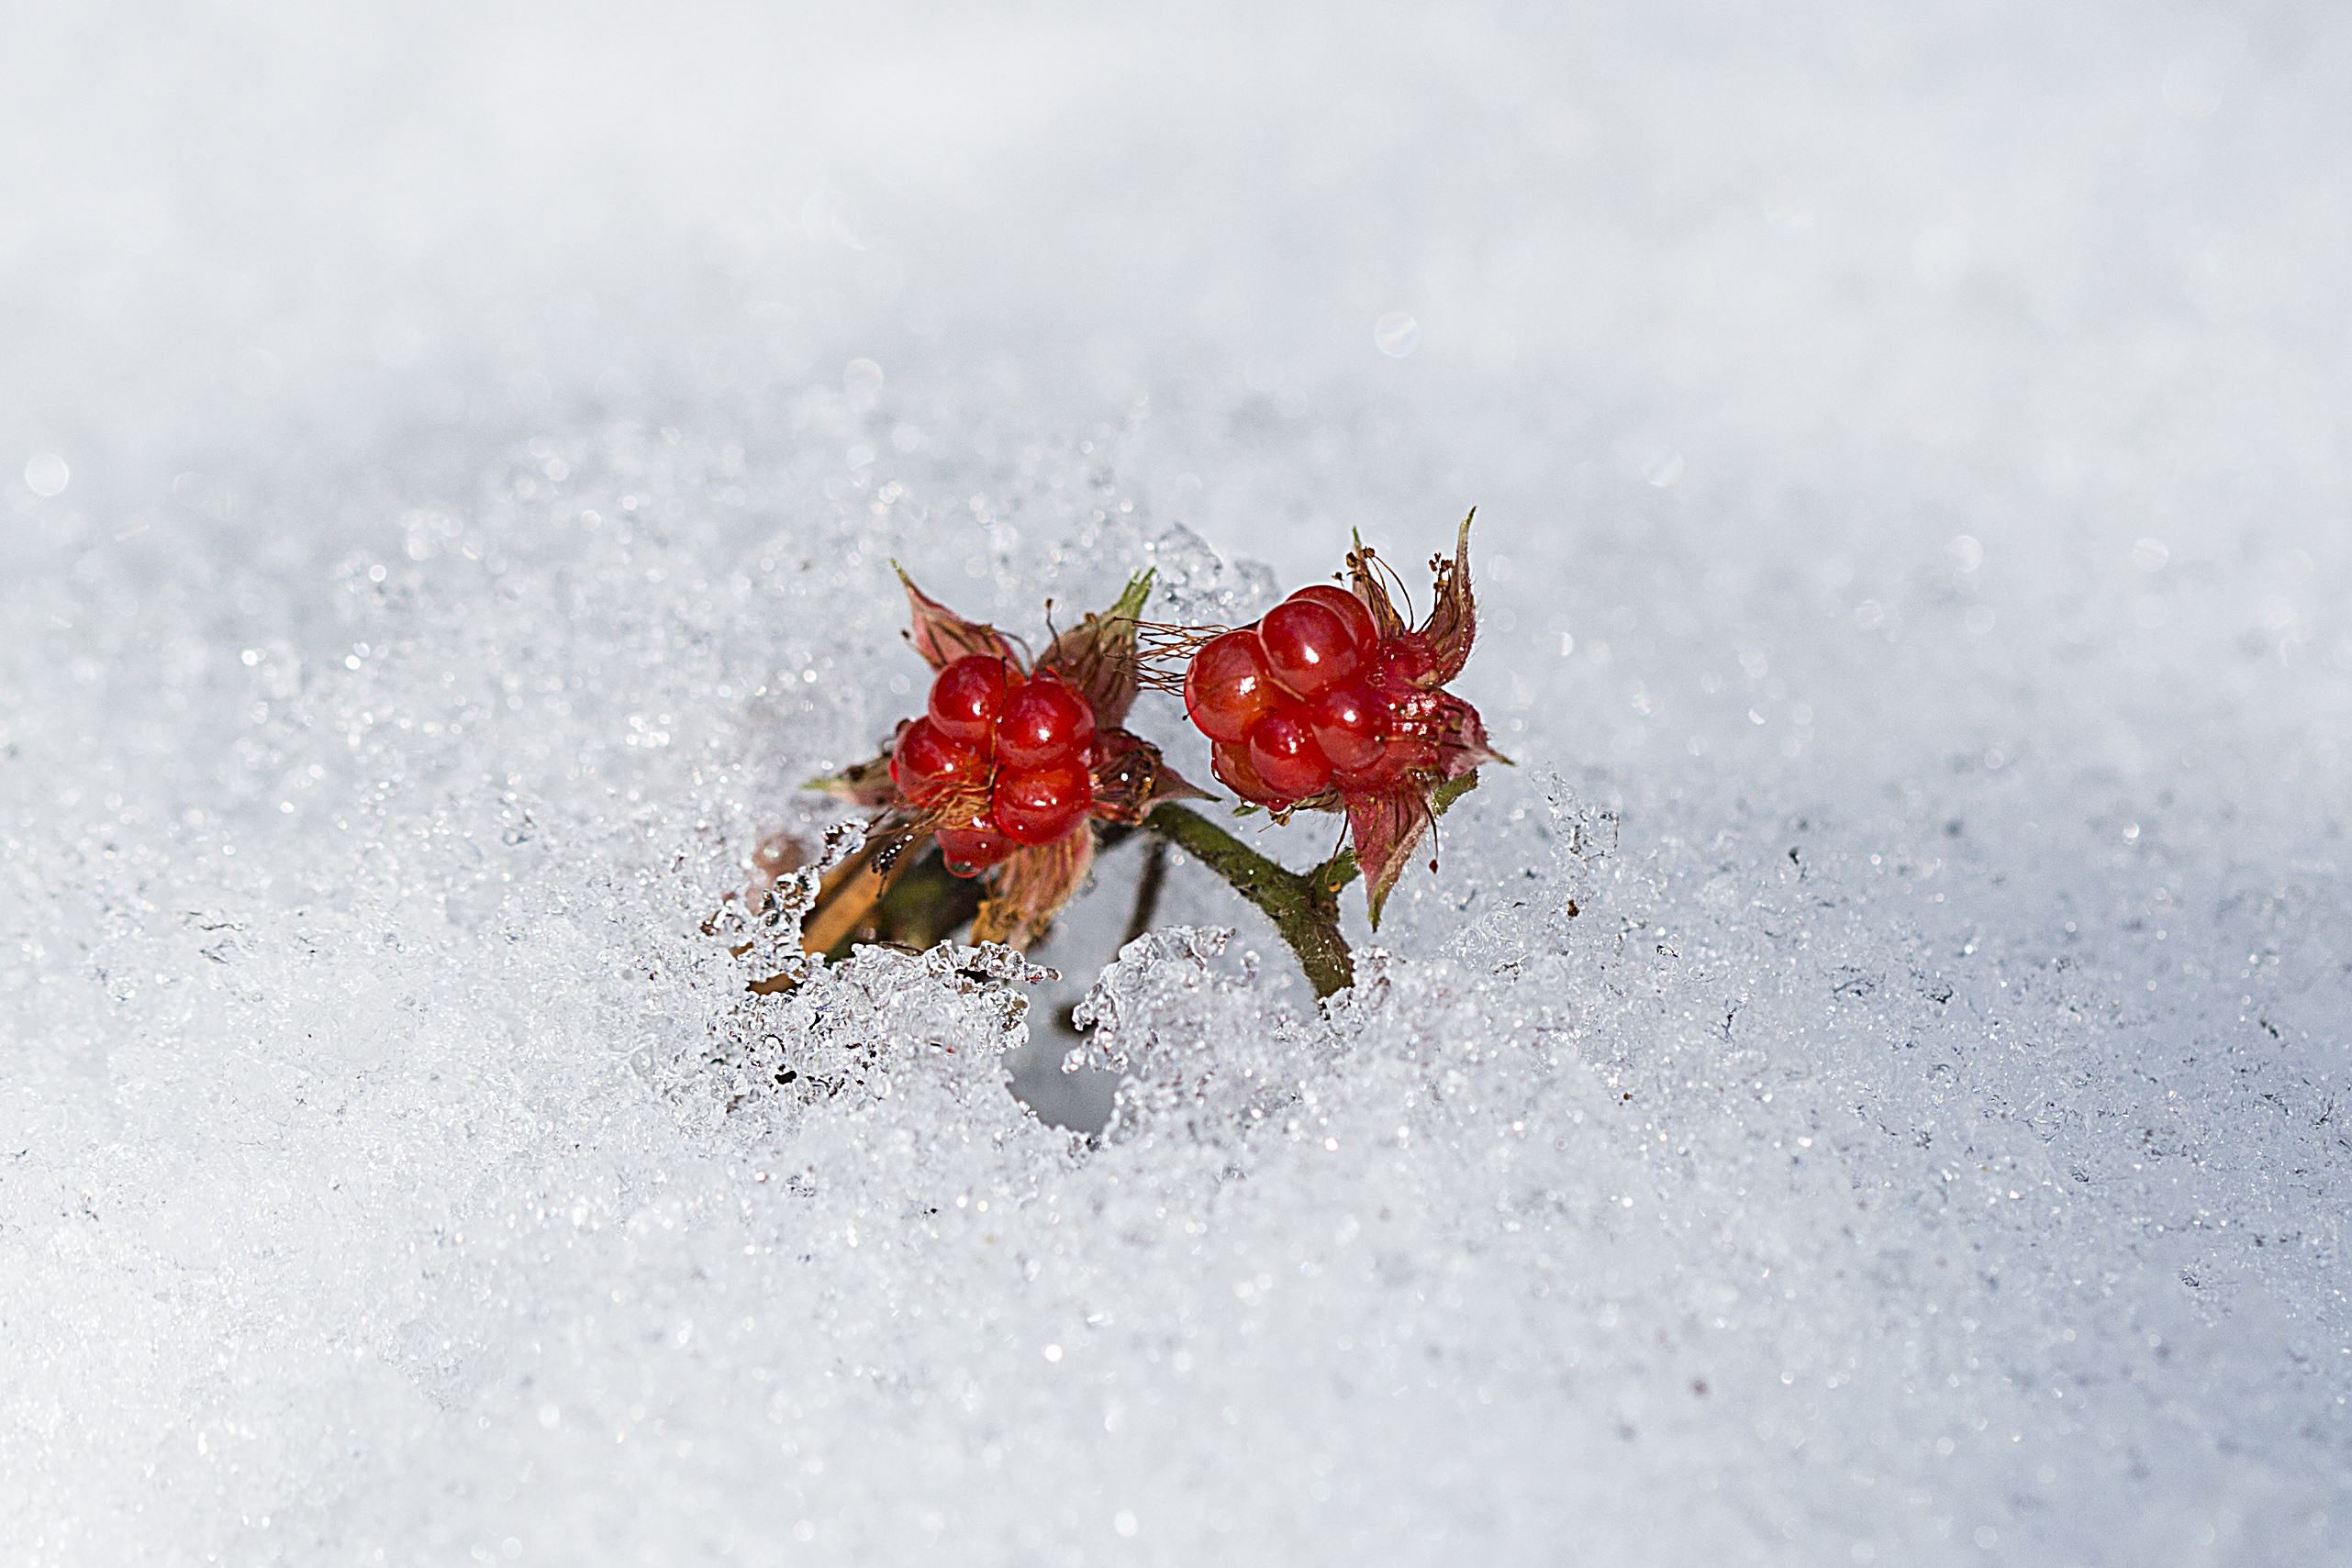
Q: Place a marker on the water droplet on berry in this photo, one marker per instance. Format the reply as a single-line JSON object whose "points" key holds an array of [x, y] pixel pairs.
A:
{"points": [[971, 851]]}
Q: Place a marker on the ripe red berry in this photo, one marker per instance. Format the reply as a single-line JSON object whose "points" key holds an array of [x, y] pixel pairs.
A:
{"points": [[1231, 766], [1038, 805], [927, 765], [1043, 723], [966, 698], [1282, 751], [1310, 646], [971, 851], [1348, 607], [1346, 726], [1226, 688], [1403, 661]]}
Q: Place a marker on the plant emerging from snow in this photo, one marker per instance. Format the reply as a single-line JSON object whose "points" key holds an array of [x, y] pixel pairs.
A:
{"points": [[990, 806]]}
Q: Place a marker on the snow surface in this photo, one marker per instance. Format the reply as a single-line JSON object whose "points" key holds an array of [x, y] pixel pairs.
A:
{"points": [[1871, 1085]]}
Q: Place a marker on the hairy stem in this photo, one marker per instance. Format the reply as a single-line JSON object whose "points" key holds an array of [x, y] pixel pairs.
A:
{"points": [[1303, 905], [922, 904]]}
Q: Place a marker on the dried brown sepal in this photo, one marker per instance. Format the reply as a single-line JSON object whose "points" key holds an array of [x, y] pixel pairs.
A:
{"points": [[1174, 785], [865, 784], [1452, 622], [1463, 747], [1028, 890], [1131, 777], [1098, 656], [941, 636]]}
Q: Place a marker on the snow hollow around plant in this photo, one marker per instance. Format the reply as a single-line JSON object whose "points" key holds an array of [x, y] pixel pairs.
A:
{"points": [[1871, 1086]]}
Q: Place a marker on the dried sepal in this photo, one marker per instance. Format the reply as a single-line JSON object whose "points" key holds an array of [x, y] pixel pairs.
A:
{"points": [[1386, 829], [1098, 656], [941, 636], [1462, 745], [1130, 777], [1030, 888], [1452, 622], [1126, 770], [1174, 785], [865, 784]]}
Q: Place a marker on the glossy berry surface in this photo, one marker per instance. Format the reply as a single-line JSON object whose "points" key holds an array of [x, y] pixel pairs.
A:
{"points": [[1348, 607], [1283, 752], [1232, 765], [1346, 727], [1043, 723], [1003, 758], [926, 766], [967, 695], [1313, 699], [1227, 687], [1310, 646], [1039, 806]]}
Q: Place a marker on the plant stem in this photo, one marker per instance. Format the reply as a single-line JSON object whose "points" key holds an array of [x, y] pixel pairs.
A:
{"points": [[922, 903], [920, 908], [1148, 883], [1303, 907]]}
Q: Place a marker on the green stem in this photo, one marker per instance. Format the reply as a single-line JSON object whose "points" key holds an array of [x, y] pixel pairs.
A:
{"points": [[926, 905], [1304, 906]]}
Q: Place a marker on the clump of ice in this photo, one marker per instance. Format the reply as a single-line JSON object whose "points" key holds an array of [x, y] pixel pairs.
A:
{"points": [[1867, 1087]]}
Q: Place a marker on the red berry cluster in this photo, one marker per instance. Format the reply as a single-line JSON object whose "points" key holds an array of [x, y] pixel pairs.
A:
{"points": [[1002, 757], [1312, 698]]}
